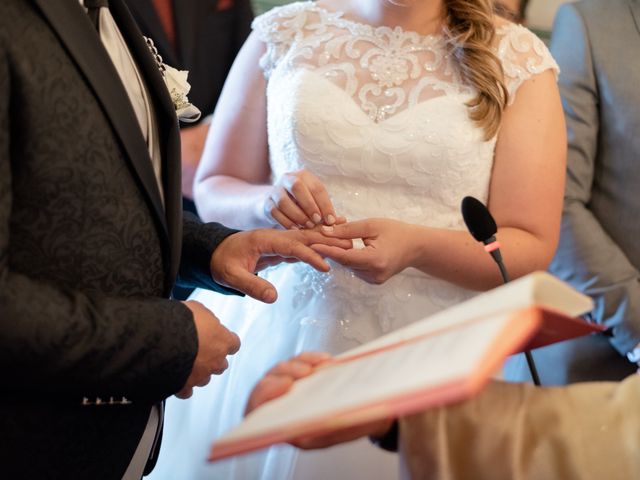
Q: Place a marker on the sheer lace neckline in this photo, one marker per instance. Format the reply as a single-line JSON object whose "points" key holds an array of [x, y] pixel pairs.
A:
{"points": [[384, 69], [363, 27]]}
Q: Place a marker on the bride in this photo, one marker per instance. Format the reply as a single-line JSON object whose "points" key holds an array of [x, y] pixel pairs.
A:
{"points": [[385, 113]]}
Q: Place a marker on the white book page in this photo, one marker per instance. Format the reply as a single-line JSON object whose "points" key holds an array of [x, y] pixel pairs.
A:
{"points": [[427, 363], [536, 289]]}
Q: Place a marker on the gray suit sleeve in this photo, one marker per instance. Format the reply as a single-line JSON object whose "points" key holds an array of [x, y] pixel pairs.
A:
{"points": [[587, 257]]}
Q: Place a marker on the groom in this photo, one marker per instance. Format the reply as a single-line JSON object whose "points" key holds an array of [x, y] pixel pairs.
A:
{"points": [[91, 241]]}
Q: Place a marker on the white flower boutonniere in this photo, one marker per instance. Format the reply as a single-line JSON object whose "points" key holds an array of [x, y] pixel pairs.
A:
{"points": [[178, 86], [176, 81]]}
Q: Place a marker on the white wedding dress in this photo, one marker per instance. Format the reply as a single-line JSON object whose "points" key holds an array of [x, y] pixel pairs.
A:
{"points": [[379, 115]]}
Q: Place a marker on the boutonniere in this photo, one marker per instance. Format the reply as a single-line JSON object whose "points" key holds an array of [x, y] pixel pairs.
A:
{"points": [[178, 87]]}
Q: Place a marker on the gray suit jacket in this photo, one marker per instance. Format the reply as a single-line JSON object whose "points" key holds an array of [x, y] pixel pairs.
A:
{"points": [[88, 252], [596, 44]]}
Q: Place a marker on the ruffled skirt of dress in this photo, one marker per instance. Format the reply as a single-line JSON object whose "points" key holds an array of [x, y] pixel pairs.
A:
{"points": [[314, 311]]}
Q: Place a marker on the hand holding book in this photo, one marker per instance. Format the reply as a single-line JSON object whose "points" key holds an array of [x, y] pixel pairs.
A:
{"points": [[279, 381], [442, 359]]}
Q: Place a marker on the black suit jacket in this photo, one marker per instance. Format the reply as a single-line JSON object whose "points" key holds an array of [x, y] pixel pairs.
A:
{"points": [[88, 252], [208, 40]]}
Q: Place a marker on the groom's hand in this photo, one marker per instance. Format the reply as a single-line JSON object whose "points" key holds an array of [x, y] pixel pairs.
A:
{"points": [[236, 260], [215, 342]]}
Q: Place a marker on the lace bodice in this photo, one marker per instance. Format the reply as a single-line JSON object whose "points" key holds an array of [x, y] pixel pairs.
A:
{"points": [[380, 115], [365, 106], [385, 70]]}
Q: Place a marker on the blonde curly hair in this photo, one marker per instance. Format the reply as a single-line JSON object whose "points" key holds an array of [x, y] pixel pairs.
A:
{"points": [[470, 28]]}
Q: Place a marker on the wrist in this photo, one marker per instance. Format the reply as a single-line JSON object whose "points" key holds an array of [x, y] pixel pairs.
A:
{"points": [[263, 211], [416, 248]]}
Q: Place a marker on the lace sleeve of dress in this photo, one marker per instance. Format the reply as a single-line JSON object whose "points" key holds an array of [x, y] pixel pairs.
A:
{"points": [[523, 56], [278, 28]]}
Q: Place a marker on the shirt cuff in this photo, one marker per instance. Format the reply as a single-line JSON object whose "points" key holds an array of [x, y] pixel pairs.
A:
{"points": [[389, 441], [634, 355]]}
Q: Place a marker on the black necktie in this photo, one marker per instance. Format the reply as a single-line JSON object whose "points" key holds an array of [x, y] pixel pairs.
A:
{"points": [[93, 10]]}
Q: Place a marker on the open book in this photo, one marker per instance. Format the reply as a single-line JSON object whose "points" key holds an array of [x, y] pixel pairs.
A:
{"points": [[441, 359]]}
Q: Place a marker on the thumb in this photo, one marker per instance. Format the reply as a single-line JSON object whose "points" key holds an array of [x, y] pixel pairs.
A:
{"points": [[269, 388], [252, 285]]}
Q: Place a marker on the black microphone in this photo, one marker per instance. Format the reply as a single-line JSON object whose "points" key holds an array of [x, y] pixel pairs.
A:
{"points": [[483, 228]]}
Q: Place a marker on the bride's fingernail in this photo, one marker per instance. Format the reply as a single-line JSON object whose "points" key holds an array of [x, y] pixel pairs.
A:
{"points": [[316, 218], [327, 228], [331, 219], [310, 224]]}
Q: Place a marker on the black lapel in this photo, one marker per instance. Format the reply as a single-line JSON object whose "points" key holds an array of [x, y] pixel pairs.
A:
{"points": [[186, 13], [71, 24], [146, 16], [167, 123], [634, 6]]}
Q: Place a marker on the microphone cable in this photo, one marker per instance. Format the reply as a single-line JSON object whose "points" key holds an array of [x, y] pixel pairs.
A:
{"points": [[483, 228]]}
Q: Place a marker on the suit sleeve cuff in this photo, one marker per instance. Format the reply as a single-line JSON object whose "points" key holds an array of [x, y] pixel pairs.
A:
{"points": [[634, 355], [389, 441], [199, 242]]}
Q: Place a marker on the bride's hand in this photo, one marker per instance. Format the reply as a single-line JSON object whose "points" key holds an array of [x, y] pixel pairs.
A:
{"points": [[389, 247], [300, 200]]}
